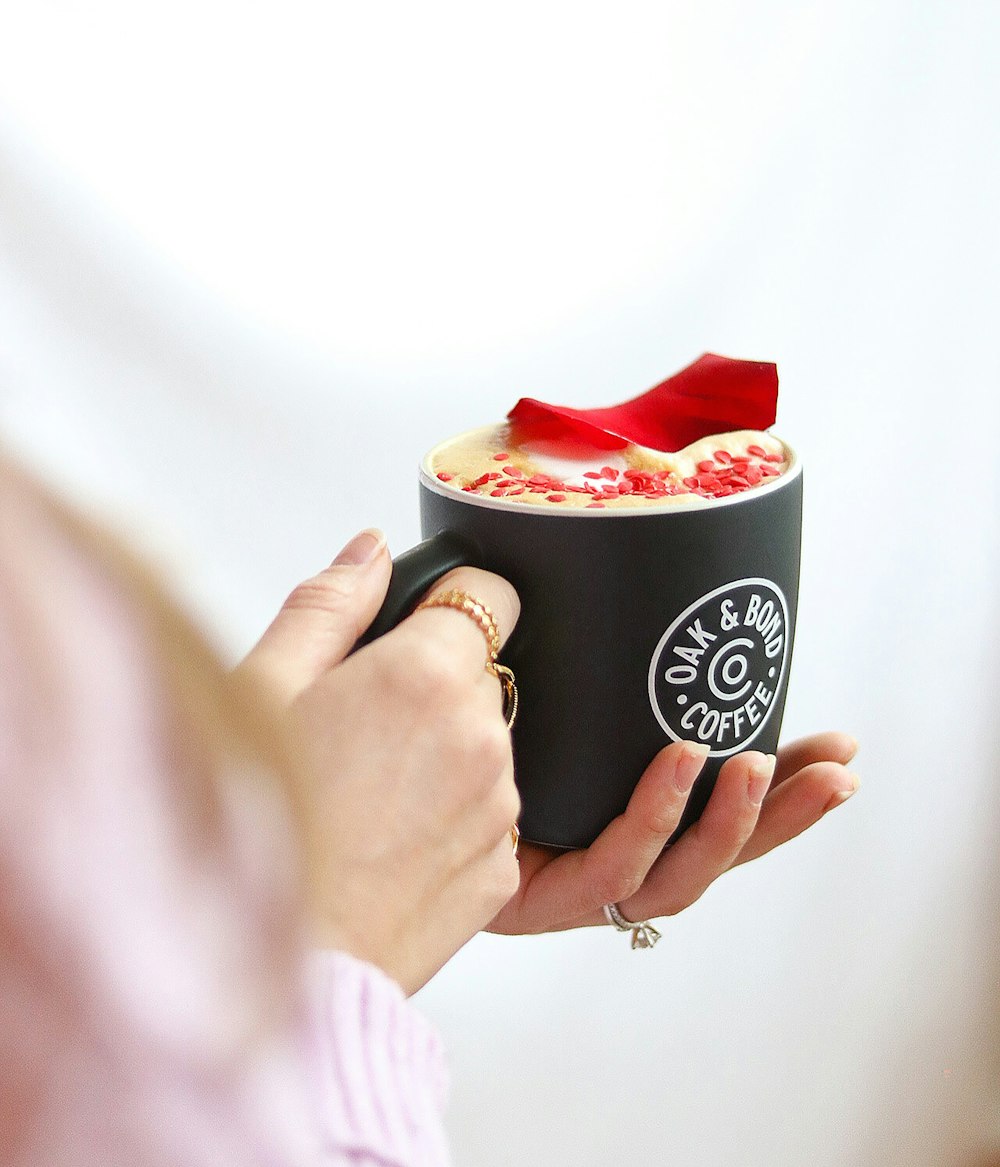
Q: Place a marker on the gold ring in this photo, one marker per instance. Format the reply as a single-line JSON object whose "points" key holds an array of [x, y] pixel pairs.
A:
{"points": [[484, 618], [515, 838], [476, 609], [509, 686]]}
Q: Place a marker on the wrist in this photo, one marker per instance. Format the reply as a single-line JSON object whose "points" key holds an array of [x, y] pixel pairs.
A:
{"points": [[328, 934]]}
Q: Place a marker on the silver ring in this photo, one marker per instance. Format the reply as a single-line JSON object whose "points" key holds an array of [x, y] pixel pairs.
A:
{"points": [[644, 935]]}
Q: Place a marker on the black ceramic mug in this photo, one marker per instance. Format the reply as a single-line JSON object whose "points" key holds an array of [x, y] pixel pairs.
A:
{"points": [[638, 627]]}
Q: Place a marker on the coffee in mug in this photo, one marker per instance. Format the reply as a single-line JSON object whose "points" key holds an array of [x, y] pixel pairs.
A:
{"points": [[495, 462]]}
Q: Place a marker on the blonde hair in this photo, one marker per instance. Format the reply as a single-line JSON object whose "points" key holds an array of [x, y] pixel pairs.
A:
{"points": [[230, 786], [227, 714]]}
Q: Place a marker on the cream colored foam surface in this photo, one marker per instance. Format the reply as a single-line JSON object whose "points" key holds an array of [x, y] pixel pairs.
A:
{"points": [[580, 476]]}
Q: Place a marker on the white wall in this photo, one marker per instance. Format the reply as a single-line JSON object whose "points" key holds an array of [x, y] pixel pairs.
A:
{"points": [[255, 259]]}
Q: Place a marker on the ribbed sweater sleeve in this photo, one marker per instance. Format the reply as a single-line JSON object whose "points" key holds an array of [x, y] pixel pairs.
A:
{"points": [[376, 1064]]}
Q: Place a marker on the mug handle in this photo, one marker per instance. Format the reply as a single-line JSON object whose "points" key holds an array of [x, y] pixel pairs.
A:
{"points": [[413, 572]]}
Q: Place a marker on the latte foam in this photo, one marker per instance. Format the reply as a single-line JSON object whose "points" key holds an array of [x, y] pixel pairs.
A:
{"points": [[491, 463]]}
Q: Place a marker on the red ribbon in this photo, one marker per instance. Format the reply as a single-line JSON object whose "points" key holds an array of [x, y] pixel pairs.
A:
{"points": [[711, 396]]}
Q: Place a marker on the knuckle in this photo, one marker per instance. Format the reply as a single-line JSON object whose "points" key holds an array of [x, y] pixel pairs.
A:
{"points": [[606, 891], [384, 659], [325, 592], [493, 589], [512, 802], [614, 886], [504, 809], [452, 636], [735, 832], [720, 843], [427, 670], [629, 885], [493, 745], [662, 820]]}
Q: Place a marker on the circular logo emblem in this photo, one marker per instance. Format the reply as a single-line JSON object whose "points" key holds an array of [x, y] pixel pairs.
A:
{"points": [[719, 667]]}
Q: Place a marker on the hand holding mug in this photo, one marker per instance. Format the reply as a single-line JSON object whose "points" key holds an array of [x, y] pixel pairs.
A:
{"points": [[754, 807], [408, 796]]}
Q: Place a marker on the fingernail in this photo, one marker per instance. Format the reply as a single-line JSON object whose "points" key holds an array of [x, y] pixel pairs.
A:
{"points": [[843, 795], [362, 549], [761, 774], [689, 766]]}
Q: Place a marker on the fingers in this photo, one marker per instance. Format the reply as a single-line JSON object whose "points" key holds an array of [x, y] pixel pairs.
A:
{"points": [[819, 747], [711, 845], [322, 619], [796, 804], [750, 812], [454, 631], [615, 865]]}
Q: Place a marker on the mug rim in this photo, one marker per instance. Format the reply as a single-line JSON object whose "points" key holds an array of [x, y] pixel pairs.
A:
{"points": [[695, 503]]}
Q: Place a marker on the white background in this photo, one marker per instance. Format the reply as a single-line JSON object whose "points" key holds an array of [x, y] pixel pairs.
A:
{"points": [[255, 259]]}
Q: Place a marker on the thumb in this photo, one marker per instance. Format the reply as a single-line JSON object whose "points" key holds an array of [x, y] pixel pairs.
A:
{"points": [[323, 617]]}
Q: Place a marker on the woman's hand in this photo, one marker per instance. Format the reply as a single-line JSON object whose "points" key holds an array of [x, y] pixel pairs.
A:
{"points": [[755, 807], [409, 797]]}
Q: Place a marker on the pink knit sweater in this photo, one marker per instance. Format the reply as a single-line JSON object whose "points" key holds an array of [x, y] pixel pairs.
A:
{"points": [[146, 1015]]}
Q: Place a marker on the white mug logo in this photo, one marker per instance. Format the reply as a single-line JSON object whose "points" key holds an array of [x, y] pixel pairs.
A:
{"points": [[718, 669]]}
